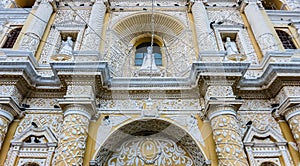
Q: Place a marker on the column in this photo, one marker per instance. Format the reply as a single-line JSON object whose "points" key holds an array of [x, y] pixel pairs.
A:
{"points": [[72, 141], [36, 27], [261, 30], [205, 36], [227, 136], [221, 112], [5, 119], [92, 39], [292, 116]]}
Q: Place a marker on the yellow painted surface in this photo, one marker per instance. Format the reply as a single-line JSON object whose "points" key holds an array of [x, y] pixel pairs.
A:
{"points": [[289, 137], [195, 43], [6, 143], [252, 38], [45, 36]]}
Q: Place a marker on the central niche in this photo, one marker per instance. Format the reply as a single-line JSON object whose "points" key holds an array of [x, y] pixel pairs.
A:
{"points": [[130, 36]]}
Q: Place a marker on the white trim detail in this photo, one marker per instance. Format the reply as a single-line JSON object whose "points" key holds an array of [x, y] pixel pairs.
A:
{"points": [[80, 112], [7, 115]]}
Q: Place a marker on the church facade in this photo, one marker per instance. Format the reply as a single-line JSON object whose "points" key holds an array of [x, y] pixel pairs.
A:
{"points": [[150, 82]]}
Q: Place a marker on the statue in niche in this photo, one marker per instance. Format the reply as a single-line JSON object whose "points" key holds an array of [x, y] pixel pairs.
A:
{"points": [[231, 47], [67, 47], [149, 60]]}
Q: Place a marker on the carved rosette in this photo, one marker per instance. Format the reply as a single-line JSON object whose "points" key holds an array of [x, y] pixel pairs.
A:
{"points": [[227, 136], [293, 118], [71, 148]]}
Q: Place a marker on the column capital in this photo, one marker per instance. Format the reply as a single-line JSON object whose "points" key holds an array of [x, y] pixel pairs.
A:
{"points": [[217, 110], [6, 112], [78, 109], [292, 111], [250, 2]]}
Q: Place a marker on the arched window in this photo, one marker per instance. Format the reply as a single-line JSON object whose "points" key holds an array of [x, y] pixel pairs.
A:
{"points": [[286, 40], [11, 38], [268, 164], [141, 51]]}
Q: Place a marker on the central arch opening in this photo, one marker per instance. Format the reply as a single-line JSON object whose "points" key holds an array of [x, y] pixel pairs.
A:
{"points": [[150, 142]]}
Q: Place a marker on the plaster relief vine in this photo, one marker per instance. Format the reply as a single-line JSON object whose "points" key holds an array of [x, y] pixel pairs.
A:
{"points": [[294, 124], [41, 102], [72, 140], [260, 120], [219, 91], [158, 151], [229, 146], [191, 104], [53, 121], [11, 90], [249, 105], [3, 129]]}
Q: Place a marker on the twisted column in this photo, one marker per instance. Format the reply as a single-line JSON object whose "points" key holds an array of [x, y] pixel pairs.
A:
{"points": [[293, 118], [227, 136], [5, 119], [37, 26], [72, 141], [205, 36], [261, 30], [92, 39]]}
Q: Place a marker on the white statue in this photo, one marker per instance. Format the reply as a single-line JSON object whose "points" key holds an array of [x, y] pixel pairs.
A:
{"points": [[231, 47], [149, 61], [67, 46]]}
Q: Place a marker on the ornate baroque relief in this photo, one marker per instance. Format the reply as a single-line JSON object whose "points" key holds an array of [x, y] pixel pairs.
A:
{"points": [[158, 151], [72, 140], [53, 121], [3, 128], [229, 146]]}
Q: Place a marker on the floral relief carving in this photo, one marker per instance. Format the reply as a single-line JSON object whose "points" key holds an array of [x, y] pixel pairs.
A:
{"points": [[11, 90], [53, 121], [294, 124], [229, 146], [219, 91], [158, 151], [72, 140], [3, 129]]}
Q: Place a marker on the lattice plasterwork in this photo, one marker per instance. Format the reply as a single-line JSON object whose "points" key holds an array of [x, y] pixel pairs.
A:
{"points": [[260, 119], [250, 105], [41, 102], [53, 121]]}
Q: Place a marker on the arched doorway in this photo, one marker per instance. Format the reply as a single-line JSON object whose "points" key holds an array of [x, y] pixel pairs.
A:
{"points": [[150, 142]]}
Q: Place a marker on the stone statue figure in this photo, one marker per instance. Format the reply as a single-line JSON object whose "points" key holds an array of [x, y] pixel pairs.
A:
{"points": [[67, 46], [149, 61], [231, 47]]}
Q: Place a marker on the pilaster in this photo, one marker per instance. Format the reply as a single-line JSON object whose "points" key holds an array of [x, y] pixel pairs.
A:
{"points": [[258, 23], [205, 36]]}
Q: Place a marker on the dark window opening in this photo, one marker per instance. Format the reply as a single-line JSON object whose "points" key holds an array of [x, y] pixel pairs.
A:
{"points": [[286, 39], [12, 38], [141, 51]]}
